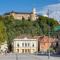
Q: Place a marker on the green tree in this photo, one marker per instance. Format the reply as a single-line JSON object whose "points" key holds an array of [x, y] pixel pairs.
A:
{"points": [[3, 35]]}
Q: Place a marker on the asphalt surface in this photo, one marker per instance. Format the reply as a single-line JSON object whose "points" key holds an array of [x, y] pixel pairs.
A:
{"points": [[26, 57]]}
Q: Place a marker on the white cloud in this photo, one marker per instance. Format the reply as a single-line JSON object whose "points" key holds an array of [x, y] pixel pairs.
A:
{"points": [[54, 11]]}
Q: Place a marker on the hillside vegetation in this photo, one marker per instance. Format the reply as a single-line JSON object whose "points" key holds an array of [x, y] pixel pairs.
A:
{"points": [[10, 28]]}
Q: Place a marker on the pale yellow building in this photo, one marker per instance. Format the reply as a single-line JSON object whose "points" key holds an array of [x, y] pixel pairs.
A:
{"points": [[26, 15], [25, 45]]}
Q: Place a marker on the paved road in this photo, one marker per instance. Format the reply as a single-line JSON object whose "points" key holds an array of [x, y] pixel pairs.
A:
{"points": [[26, 57]]}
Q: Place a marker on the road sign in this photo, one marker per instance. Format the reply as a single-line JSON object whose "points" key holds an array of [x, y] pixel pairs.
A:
{"points": [[57, 28]]}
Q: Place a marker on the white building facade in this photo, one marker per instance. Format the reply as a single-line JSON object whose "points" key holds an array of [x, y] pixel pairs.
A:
{"points": [[25, 45]]}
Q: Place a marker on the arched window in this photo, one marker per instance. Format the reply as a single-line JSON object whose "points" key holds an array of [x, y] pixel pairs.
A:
{"points": [[32, 45], [22, 44], [18, 50], [25, 44], [18, 45]]}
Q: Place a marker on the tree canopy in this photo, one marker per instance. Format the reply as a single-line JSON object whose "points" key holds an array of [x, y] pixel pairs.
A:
{"points": [[10, 27]]}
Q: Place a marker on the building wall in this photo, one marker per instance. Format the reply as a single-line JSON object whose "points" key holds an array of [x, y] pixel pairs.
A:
{"points": [[58, 46], [44, 46], [25, 46], [33, 17], [26, 16], [44, 43], [20, 16]]}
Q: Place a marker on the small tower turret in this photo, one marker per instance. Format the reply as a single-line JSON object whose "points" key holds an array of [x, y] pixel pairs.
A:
{"points": [[34, 11], [33, 15]]}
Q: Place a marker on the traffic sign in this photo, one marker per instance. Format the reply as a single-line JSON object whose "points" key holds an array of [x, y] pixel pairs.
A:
{"points": [[57, 28]]}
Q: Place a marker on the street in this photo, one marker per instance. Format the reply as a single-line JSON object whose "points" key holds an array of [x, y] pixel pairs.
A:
{"points": [[26, 57]]}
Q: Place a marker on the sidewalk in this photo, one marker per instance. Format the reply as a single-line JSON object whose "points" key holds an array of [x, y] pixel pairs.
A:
{"points": [[46, 58], [27, 57]]}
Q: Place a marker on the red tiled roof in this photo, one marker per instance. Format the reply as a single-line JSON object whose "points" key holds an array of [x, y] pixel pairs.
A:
{"points": [[46, 39]]}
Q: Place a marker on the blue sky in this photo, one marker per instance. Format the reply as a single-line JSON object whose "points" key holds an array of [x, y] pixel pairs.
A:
{"points": [[24, 5]]}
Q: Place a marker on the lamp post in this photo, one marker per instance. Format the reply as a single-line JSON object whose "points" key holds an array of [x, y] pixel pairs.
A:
{"points": [[16, 56], [48, 37], [49, 47]]}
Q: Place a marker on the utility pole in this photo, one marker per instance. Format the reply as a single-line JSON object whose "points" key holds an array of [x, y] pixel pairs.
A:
{"points": [[16, 56], [49, 36]]}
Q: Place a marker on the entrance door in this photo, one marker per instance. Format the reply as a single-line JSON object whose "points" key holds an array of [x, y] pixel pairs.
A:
{"points": [[22, 50], [27, 50]]}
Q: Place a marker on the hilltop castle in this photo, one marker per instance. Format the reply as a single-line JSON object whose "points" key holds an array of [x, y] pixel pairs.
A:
{"points": [[26, 15]]}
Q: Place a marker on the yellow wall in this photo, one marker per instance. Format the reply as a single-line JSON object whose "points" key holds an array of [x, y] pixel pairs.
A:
{"points": [[32, 50]]}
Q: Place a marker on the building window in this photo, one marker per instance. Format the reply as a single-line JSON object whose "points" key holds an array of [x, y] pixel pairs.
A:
{"points": [[18, 50], [22, 50], [22, 44], [26, 51], [32, 45], [18, 45], [25, 44]]}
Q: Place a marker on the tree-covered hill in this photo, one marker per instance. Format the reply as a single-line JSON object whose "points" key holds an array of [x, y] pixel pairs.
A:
{"points": [[10, 28]]}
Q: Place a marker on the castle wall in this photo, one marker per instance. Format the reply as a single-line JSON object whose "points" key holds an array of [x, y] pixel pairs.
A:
{"points": [[20, 16], [33, 17], [26, 16]]}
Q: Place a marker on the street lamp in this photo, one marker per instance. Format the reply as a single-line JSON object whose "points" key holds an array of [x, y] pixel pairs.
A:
{"points": [[16, 56], [49, 36], [49, 47]]}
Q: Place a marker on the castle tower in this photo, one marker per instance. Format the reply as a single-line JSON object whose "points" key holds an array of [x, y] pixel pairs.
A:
{"points": [[33, 15], [34, 11]]}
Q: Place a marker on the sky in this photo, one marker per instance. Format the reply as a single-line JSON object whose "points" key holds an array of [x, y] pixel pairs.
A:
{"points": [[24, 5]]}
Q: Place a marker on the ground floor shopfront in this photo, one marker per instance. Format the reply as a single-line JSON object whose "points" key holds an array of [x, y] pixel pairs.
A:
{"points": [[25, 50]]}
